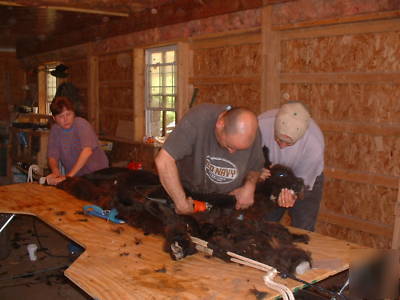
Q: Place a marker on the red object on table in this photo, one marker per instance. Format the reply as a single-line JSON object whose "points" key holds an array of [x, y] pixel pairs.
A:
{"points": [[135, 165]]}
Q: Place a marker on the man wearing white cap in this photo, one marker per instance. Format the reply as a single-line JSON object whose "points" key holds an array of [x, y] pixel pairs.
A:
{"points": [[296, 141]]}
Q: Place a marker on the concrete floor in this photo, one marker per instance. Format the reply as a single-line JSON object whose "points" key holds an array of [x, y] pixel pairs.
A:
{"points": [[21, 278]]}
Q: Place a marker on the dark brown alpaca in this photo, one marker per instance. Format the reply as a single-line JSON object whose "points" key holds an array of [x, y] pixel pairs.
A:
{"points": [[243, 232]]}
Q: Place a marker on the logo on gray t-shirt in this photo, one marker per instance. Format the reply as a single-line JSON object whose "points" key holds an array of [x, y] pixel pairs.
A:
{"points": [[220, 170]]}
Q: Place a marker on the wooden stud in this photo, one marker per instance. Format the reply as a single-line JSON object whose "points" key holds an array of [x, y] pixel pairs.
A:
{"points": [[396, 229], [355, 223], [139, 94], [93, 91], [42, 89], [342, 20], [185, 90], [270, 84], [341, 29], [67, 8]]}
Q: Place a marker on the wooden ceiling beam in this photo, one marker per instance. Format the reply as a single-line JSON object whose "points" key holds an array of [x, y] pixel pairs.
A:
{"points": [[68, 8]]}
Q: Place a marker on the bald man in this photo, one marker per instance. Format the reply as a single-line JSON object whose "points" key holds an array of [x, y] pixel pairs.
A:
{"points": [[213, 149]]}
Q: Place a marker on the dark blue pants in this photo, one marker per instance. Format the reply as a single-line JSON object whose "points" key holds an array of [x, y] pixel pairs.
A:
{"points": [[305, 212]]}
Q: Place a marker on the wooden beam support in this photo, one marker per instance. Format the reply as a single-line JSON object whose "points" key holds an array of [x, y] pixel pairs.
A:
{"points": [[223, 80], [93, 92], [372, 179], [340, 77], [67, 8], [396, 229], [185, 89], [355, 223], [270, 83], [139, 94], [42, 89], [340, 29], [359, 128], [343, 20]]}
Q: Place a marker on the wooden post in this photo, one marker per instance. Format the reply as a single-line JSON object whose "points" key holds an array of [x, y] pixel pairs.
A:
{"points": [[42, 85], [93, 92], [270, 82], [138, 94], [396, 229], [185, 57]]}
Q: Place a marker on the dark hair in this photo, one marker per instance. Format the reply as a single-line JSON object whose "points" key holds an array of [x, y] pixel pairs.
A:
{"points": [[59, 104]]}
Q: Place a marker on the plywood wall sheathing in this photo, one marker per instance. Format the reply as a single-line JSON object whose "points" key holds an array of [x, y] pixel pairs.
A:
{"points": [[115, 93], [228, 74], [348, 75]]}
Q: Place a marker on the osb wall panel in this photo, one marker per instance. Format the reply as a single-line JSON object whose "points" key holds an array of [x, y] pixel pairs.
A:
{"points": [[238, 60], [363, 153], [115, 67], [361, 107], [377, 103], [367, 202], [115, 92], [246, 95], [354, 236], [109, 120], [12, 82], [115, 97], [228, 75], [78, 75], [368, 52]]}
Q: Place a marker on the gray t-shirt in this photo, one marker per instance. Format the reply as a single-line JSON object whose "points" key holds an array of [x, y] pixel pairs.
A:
{"points": [[305, 157], [204, 166], [66, 145]]}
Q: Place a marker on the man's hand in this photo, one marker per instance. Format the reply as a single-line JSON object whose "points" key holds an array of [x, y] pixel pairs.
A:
{"points": [[287, 198], [265, 173], [184, 207], [244, 196], [54, 179]]}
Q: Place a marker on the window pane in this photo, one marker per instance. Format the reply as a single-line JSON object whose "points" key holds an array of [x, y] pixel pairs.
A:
{"points": [[155, 101], [156, 58], [171, 118], [161, 91], [51, 87], [170, 102], [170, 56]]}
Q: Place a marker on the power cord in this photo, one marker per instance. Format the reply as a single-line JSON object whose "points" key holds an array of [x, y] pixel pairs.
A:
{"points": [[41, 248]]}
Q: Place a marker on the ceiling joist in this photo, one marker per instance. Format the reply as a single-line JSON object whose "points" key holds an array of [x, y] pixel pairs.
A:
{"points": [[67, 8]]}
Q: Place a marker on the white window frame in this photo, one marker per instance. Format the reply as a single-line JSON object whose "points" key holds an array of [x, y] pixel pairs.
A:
{"points": [[148, 108], [50, 79]]}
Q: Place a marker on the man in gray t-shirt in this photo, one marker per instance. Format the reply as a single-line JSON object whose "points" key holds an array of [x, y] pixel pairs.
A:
{"points": [[213, 149]]}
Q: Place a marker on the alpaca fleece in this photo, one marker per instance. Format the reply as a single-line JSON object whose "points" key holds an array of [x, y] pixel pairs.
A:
{"points": [[224, 228]]}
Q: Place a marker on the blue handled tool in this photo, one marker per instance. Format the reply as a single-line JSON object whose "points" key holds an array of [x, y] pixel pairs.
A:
{"points": [[109, 215]]}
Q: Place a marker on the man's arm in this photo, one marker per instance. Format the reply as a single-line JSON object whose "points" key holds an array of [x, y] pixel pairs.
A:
{"points": [[169, 177], [245, 194]]}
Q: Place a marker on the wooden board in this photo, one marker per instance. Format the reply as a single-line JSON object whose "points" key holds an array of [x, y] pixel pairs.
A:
{"points": [[119, 262]]}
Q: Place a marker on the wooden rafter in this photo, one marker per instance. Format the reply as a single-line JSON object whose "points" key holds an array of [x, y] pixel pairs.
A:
{"points": [[68, 8]]}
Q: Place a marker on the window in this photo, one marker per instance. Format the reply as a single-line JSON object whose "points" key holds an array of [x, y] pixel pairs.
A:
{"points": [[161, 91], [51, 86]]}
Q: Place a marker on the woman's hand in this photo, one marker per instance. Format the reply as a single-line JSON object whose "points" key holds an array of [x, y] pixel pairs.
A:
{"points": [[54, 179]]}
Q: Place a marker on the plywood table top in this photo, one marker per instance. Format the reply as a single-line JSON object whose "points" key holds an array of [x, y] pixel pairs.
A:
{"points": [[120, 262]]}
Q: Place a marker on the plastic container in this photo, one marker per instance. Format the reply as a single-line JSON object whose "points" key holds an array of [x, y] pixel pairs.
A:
{"points": [[32, 248]]}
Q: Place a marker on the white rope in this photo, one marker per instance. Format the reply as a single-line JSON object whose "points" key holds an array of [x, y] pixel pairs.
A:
{"points": [[285, 292], [32, 168], [282, 289]]}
